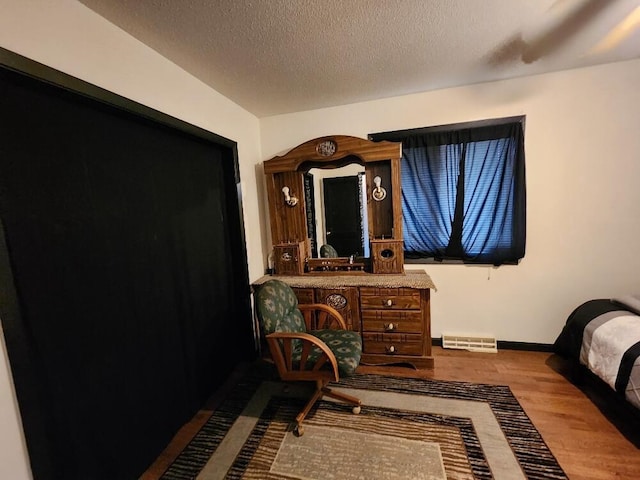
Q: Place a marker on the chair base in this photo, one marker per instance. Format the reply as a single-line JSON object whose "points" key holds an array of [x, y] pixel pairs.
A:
{"points": [[323, 391]]}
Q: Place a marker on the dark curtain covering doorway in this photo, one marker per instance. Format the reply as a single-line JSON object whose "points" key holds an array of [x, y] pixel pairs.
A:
{"points": [[125, 294]]}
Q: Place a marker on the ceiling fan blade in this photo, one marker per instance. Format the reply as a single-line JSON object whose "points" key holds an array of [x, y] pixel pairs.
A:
{"points": [[563, 31], [619, 33]]}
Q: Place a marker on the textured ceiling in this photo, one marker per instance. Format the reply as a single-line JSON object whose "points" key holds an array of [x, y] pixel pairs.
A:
{"points": [[281, 56]]}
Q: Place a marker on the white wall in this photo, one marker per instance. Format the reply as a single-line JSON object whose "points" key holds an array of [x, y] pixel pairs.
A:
{"points": [[583, 192], [69, 37], [14, 462]]}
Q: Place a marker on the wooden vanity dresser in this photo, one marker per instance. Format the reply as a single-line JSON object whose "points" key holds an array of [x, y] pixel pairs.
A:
{"points": [[370, 288]]}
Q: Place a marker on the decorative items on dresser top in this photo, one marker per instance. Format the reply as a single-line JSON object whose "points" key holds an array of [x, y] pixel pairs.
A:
{"points": [[392, 312], [336, 226]]}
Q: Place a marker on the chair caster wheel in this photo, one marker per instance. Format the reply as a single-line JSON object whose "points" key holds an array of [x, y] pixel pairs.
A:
{"points": [[298, 431], [356, 410]]}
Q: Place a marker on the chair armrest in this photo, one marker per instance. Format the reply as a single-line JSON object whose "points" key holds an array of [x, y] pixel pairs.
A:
{"points": [[281, 349], [318, 316]]}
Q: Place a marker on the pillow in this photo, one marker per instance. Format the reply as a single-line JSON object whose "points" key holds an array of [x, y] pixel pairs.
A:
{"points": [[631, 302]]}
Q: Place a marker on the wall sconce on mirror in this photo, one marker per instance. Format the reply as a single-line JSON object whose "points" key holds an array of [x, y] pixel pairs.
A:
{"points": [[290, 200], [378, 193]]}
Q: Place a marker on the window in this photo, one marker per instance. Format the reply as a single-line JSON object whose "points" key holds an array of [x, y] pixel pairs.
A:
{"points": [[463, 191]]}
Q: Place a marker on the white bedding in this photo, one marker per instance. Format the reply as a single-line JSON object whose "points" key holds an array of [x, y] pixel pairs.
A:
{"points": [[608, 344], [606, 340]]}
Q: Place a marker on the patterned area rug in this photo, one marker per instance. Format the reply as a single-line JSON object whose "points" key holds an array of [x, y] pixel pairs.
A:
{"points": [[408, 429]]}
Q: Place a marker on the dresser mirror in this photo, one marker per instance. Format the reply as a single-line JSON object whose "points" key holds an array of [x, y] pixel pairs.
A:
{"points": [[339, 215], [364, 172]]}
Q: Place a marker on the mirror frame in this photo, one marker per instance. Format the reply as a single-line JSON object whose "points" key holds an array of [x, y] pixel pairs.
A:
{"points": [[288, 219]]}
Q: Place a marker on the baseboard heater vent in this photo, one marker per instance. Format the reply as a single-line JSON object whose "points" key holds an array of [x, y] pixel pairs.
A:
{"points": [[473, 343]]}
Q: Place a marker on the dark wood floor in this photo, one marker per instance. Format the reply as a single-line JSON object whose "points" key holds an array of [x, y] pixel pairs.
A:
{"points": [[585, 441]]}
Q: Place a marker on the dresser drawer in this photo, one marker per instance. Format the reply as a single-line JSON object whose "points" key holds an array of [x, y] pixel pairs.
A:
{"points": [[392, 321], [390, 298], [392, 344]]}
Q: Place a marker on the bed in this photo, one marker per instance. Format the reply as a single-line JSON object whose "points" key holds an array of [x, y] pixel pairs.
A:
{"points": [[603, 336]]}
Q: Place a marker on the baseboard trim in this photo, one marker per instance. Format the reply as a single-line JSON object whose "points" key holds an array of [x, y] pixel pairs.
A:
{"points": [[507, 345]]}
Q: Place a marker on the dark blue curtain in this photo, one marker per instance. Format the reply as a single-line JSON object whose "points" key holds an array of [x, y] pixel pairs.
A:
{"points": [[463, 193]]}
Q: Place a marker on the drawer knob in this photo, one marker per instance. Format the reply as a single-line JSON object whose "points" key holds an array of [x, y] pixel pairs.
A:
{"points": [[391, 326], [391, 349], [388, 303]]}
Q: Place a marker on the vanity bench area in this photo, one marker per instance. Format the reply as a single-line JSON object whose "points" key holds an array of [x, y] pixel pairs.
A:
{"points": [[335, 211], [391, 312]]}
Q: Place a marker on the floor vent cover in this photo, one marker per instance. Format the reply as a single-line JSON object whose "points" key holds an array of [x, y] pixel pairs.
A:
{"points": [[473, 343]]}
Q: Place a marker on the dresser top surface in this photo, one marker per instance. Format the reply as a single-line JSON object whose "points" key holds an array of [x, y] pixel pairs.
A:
{"points": [[410, 279]]}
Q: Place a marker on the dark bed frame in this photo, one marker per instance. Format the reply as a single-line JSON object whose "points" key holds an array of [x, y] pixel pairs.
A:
{"points": [[611, 404]]}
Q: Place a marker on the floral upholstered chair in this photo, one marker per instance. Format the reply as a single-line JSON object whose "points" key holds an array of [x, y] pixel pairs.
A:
{"points": [[307, 343]]}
